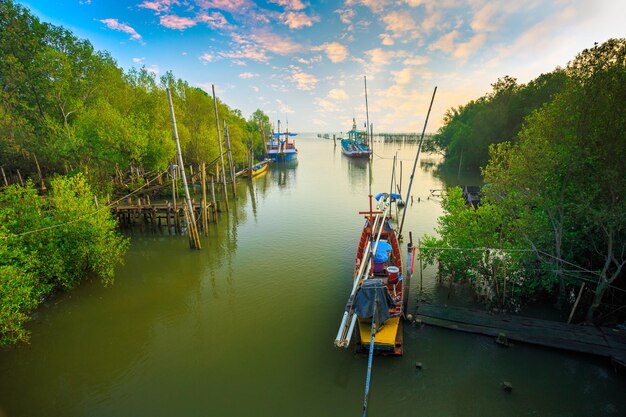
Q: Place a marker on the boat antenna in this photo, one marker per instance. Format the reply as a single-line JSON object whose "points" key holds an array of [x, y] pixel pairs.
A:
{"points": [[419, 147], [367, 115]]}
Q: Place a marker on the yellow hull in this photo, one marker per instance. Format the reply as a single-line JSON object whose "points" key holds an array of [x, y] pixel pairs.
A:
{"points": [[385, 338]]}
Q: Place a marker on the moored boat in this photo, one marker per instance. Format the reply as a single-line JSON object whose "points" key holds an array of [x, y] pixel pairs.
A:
{"points": [[257, 170], [279, 148], [355, 145], [378, 286]]}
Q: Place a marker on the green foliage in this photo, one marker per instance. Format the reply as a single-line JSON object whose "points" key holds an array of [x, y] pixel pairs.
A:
{"points": [[72, 241], [72, 106], [478, 247], [469, 130], [559, 190]]}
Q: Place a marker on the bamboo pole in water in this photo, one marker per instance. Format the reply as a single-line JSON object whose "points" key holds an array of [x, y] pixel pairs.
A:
{"points": [[194, 239], [419, 147], [230, 159], [6, 183], [367, 116], [205, 220], [219, 141]]}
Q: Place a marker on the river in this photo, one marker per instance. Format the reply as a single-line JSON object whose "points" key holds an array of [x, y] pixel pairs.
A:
{"points": [[245, 326]]}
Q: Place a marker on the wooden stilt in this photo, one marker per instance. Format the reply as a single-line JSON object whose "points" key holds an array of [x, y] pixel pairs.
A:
{"points": [[192, 221], [19, 176], [205, 220], [219, 140], [6, 183]]}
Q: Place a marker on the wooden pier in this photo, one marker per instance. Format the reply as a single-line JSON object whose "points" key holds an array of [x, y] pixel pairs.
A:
{"points": [[160, 215], [601, 341]]}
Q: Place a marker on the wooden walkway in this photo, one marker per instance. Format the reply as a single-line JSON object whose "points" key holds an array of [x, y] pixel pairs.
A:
{"points": [[160, 214], [600, 341]]}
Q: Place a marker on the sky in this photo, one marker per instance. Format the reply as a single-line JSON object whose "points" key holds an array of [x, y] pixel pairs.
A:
{"points": [[304, 62]]}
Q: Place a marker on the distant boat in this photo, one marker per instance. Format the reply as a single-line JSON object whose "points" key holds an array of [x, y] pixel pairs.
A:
{"points": [[279, 148], [355, 145], [378, 281], [257, 170]]}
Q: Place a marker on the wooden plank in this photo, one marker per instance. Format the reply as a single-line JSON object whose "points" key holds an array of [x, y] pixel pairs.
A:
{"points": [[578, 338]]}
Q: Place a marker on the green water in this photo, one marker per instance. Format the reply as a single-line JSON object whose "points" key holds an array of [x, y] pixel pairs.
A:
{"points": [[245, 327]]}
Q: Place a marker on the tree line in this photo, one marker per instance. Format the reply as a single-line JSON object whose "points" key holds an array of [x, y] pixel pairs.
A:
{"points": [[70, 115], [552, 218], [74, 110]]}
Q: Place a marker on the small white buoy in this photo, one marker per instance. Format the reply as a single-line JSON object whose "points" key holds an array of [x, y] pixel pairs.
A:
{"points": [[409, 317]]}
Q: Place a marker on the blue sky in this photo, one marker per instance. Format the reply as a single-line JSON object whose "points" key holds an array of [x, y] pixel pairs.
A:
{"points": [[305, 60]]}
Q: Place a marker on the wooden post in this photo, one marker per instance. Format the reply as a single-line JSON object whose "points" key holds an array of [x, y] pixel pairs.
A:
{"points": [[219, 141], [95, 201], [230, 159], [6, 183], [19, 176], [580, 292], [193, 233], [205, 221], [419, 252], [43, 186], [213, 204]]}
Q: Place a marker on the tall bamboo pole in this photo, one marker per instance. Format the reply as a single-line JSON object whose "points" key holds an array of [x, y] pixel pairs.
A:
{"points": [[367, 116], [230, 158], [419, 147], [4, 176], [219, 141], [194, 241], [205, 220]]}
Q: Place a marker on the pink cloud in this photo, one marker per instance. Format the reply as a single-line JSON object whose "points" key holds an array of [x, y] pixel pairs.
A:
{"points": [[296, 20], [159, 6], [122, 27], [215, 20], [228, 5], [176, 22], [290, 4]]}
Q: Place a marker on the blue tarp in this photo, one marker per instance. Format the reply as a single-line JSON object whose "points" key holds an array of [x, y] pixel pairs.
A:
{"points": [[373, 292], [394, 196], [276, 135], [382, 252]]}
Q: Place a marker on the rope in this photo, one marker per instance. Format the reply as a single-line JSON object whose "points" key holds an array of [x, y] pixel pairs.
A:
{"points": [[108, 206]]}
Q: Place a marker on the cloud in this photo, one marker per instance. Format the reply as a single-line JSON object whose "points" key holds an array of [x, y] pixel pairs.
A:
{"points": [[206, 58], [234, 6], [154, 69], [416, 60], [177, 22], [280, 45], [379, 58], [159, 6], [122, 27], [296, 20], [401, 24], [312, 60], [215, 20], [377, 6], [465, 49], [445, 43], [246, 52], [386, 39], [246, 75], [335, 51], [303, 80], [290, 4], [346, 15], [337, 94], [139, 60], [283, 108], [255, 89]]}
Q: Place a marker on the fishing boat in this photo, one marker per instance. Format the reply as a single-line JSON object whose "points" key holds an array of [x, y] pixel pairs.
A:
{"points": [[376, 301], [257, 170], [279, 148], [355, 145]]}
